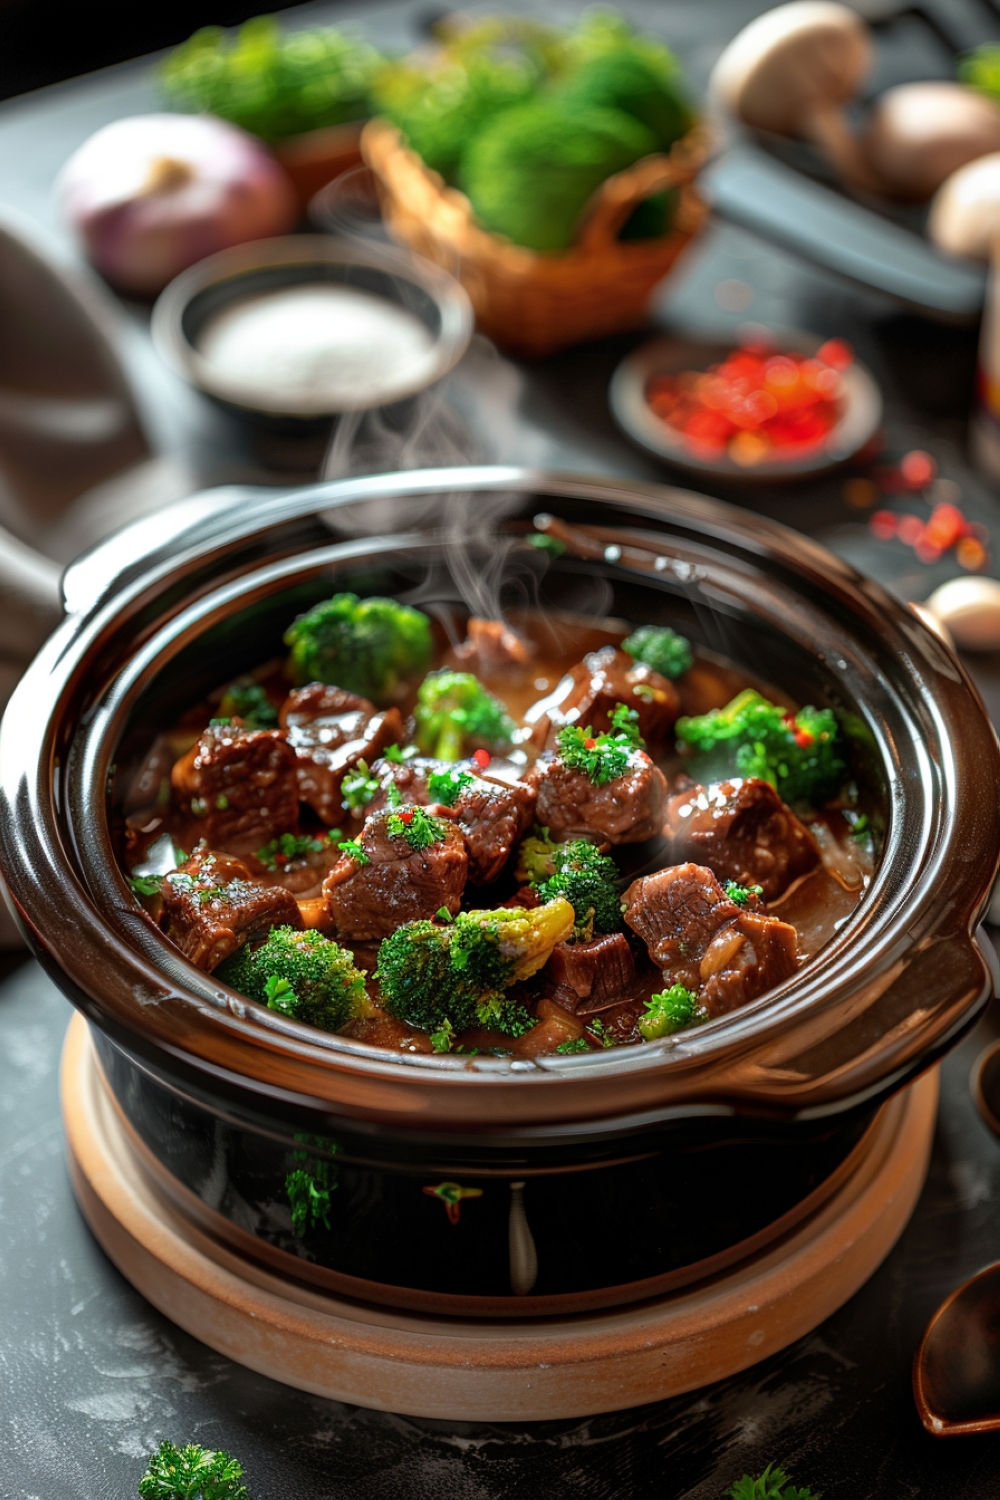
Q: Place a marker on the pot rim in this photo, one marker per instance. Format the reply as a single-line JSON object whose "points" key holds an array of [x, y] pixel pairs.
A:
{"points": [[808, 1048]]}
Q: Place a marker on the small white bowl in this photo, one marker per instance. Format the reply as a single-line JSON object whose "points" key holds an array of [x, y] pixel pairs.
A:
{"points": [[669, 356]]}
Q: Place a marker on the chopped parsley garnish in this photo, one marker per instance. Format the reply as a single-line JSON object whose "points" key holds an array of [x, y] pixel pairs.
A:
{"points": [[417, 826], [669, 1011], [290, 846], [146, 885], [447, 786], [578, 1044], [443, 1039], [602, 757], [354, 849], [443, 914], [359, 787], [742, 894]]}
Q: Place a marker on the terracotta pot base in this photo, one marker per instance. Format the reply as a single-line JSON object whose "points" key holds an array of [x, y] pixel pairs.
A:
{"points": [[465, 1370]]}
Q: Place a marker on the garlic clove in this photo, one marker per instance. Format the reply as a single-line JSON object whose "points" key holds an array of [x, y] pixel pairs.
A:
{"points": [[970, 609]]}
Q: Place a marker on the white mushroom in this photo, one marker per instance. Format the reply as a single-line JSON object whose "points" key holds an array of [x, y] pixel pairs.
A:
{"points": [[919, 133], [792, 70], [965, 214]]}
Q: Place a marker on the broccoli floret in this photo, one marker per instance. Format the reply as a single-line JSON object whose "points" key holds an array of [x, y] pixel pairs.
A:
{"points": [[529, 173], [579, 873], [192, 1473], [613, 68], [455, 715], [301, 974], [367, 646], [671, 1010], [602, 757], [245, 699], [660, 648], [799, 754], [457, 973]]}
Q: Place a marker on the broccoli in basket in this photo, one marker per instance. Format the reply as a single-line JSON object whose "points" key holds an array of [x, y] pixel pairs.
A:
{"points": [[456, 975], [798, 753], [372, 647], [529, 173], [301, 974]]}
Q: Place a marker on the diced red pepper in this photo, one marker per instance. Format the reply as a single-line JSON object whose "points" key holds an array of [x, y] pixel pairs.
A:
{"points": [[482, 758]]}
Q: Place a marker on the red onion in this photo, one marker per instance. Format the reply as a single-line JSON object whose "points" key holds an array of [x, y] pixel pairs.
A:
{"points": [[150, 195]]}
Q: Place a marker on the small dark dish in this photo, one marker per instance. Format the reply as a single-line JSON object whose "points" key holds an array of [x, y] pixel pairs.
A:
{"points": [[425, 291], [634, 1170], [670, 355]]}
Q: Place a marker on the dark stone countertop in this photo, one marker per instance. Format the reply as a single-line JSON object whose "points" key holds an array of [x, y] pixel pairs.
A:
{"points": [[91, 1378]]}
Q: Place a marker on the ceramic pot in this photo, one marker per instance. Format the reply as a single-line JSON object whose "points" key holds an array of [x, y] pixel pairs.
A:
{"points": [[481, 1184]]}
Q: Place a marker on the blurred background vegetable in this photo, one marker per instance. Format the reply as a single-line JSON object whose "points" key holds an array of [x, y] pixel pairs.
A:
{"points": [[272, 84], [150, 195], [530, 121]]}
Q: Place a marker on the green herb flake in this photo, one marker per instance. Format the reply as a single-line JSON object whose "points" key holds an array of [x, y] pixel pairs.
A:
{"points": [[146, 885], [358, 788], [443, 1039], [742, 894], [291, 846], [354, 849], [447, 786], [578, 1044]]}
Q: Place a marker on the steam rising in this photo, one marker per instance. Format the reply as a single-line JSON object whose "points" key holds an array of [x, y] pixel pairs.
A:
{"points": [[491, 573]]}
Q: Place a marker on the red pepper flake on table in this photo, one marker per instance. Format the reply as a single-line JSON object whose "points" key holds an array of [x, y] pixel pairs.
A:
{"points": [[757, 404], [946, 528]]}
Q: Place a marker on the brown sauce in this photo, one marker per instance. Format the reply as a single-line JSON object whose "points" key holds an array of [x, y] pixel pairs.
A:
{"points": [[816, 905]]}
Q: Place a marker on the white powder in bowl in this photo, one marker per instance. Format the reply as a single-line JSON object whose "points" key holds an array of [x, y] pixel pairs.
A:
{"points": [[319, 346]]}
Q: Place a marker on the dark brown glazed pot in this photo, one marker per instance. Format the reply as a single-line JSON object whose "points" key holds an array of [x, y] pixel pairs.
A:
{"points": [[632, 1168]]}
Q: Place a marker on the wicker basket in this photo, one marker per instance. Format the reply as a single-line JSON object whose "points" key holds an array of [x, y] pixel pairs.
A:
{"points": [[534, 303]]}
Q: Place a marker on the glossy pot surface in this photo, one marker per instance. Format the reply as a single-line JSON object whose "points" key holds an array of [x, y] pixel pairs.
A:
{"points": [[229, 1100]]}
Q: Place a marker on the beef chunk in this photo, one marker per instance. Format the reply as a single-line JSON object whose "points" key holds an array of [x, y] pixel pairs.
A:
{"points": [[239, 786], [701, 939], [743, 831], [493, 815], [211, 907], [397, 884], [590, 692], [587, 977], [624, 811], [330, 730], [491, 648]]}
